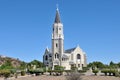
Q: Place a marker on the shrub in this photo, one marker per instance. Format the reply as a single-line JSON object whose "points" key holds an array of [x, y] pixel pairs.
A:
{"points": [[36, 71], [112, 72], [22, 73], [57, 67], [95, 72], [105, 72], [5, 73]]}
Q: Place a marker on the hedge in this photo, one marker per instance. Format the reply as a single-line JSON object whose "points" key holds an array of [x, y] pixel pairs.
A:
{"points": [[110, 72]]}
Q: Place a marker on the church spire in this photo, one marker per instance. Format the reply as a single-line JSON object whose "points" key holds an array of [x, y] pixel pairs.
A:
{"points": [[57, 17]]}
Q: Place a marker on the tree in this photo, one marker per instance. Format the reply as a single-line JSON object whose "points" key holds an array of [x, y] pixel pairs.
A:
{"points": [[7, 65], [36, 63], [118, 64], [95, 72], [113, 65], [96, 64], [23, 65]]}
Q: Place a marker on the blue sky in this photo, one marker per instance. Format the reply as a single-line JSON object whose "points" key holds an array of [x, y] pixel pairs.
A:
{"points": [[26, 26]]}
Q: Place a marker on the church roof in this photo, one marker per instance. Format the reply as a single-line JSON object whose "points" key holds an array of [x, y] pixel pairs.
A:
{"points": [[57, 17], [47, 51], [64, 56], [70, 50]]}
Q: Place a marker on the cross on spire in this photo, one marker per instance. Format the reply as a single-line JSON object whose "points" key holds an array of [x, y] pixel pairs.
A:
{"points": [[57, 6]]}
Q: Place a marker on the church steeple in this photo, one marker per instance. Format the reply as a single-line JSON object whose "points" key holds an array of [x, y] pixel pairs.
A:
{"points": [[57, 40], [57, 17]]}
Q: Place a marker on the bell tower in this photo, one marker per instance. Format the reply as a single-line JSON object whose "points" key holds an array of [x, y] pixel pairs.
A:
{"points": [[57, 40]]}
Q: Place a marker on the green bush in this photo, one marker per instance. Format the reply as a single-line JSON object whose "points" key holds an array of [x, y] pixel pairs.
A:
{"points": [[37, 71], [22, 73], [95, 72], [105, 72], [5, 73], [57, 67], [112, 72]]}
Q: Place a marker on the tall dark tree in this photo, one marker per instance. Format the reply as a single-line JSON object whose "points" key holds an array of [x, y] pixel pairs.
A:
{"points": [[113, 65]]}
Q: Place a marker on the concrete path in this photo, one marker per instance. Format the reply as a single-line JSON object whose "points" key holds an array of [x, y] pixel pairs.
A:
{"points": [[44, 77]]}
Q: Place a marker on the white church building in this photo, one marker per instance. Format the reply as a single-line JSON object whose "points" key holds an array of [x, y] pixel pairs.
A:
{"points": [[74, 57]]}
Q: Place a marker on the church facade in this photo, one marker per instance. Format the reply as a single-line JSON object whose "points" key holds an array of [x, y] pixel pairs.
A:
{"points": [[74, 57]]}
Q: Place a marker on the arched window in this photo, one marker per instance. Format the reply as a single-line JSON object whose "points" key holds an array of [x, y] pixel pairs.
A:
{"points": [[56, 45], [56, 55], [78, 56], [46, 57]]}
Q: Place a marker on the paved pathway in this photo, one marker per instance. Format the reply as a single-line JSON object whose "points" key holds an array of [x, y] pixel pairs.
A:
{"points": [[44, 77]]}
